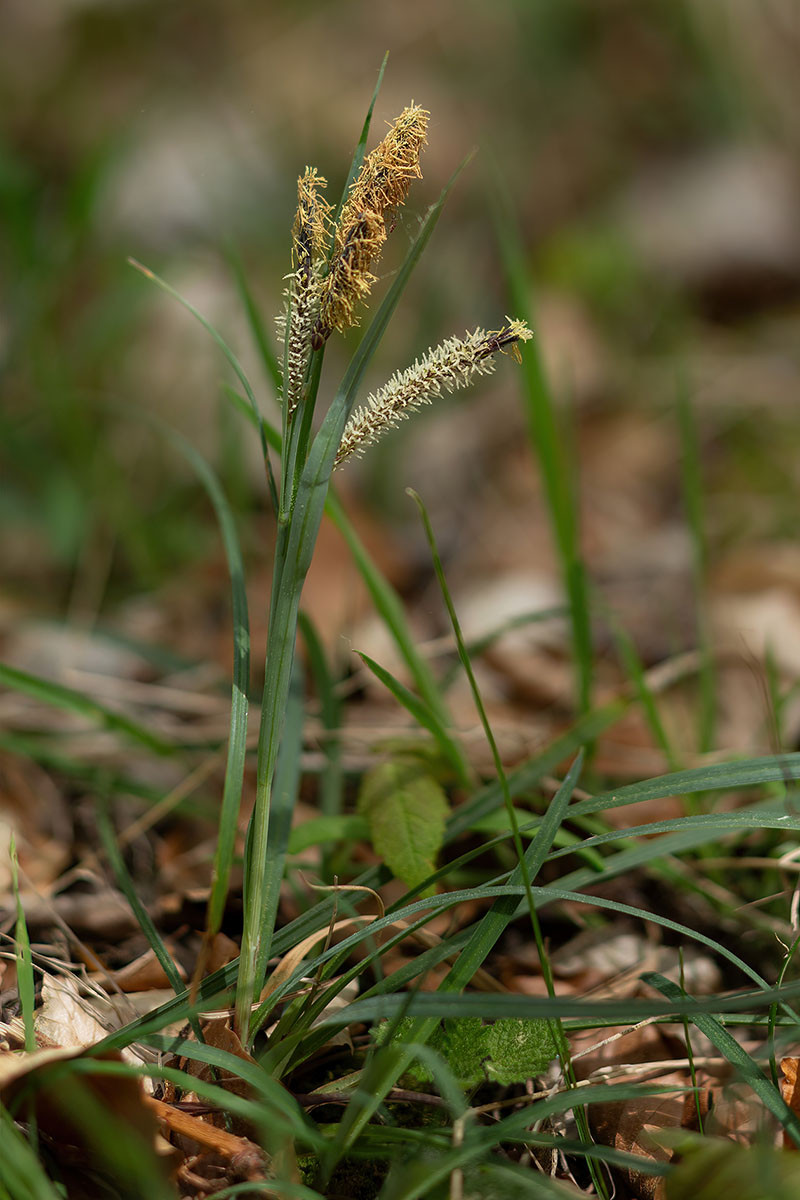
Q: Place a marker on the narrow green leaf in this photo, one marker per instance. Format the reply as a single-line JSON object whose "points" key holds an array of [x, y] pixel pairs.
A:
{"points": [[736, 1055], [70, 700], [26, 986], [434, 1006], [745, 773], [418, 709], [320, 831], [140, 912], [262, 426], [719, 824], [530, 773], [361, 146], [389, 607], [21, 1172], [513, 1182], [238, 370], [268, 1094], [488, 930], [693, 498], [287, 780], [522, 866], [547, 446], [237, 737], [269, 360], [406, 811], [331, 783]]}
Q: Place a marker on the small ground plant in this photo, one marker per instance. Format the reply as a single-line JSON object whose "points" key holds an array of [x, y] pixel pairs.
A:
{"points": [[300, 1068]]}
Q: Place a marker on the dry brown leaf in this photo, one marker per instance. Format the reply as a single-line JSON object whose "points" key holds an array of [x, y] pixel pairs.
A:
{"points": [[740, 1116], [223, 950], [790, 1090], [633, 1125], [62, 1102], [220, 1137], [144, 974], [66, 1019], [69, 1020], [16, 1066]]}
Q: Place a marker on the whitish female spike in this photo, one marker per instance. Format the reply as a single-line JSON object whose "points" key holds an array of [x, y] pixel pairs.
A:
{"points": [[453, 364]]}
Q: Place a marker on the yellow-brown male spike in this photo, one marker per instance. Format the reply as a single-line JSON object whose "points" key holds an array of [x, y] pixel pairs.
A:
{"points": [[386, 174], [380, 186], [310, 229]]}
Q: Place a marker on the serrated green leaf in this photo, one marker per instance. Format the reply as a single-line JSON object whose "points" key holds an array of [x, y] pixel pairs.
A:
{"points": [[406, 810], [518, 1049], [387, 1033], [465, 1046], [509, 1051]]}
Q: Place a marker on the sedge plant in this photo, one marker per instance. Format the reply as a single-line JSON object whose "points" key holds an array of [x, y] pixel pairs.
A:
{"points": [[331, 278]]}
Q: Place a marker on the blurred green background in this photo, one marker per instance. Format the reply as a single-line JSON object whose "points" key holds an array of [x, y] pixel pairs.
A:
{"points": [[650, 154]]}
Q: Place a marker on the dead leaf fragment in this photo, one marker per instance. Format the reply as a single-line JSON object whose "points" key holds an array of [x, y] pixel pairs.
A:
{"points": [[790, 1090]]}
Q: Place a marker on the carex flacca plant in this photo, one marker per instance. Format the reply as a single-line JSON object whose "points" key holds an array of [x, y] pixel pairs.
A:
{"points": [[333, 257]]}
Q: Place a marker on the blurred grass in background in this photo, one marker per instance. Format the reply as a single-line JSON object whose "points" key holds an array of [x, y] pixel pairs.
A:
{"points": [[172, 132]]}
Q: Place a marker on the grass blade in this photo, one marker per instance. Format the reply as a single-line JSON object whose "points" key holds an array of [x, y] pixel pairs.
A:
{"points": [[418, 709], [504, 910], [26, 986], [390, 609], [287, 779], [331, 783], [361, 146], [693, 499], [269, 360], [548, 449], [237, 738], [736, 1055], [22, 1175], [238, 369], [529, 774], [140, 912], [59, 696], [746, 773], [433, 1006]]}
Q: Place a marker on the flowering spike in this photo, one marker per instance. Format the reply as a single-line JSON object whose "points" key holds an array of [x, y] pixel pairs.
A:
{"points": [[310, 229], [451, 365], [381, 185], [309, 240]]}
